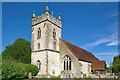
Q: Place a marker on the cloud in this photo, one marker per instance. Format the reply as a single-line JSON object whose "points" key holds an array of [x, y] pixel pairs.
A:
{"points": [[111, 15], [114, 14], [114, 40], [111, 40], [106, 54], [114, 43]]}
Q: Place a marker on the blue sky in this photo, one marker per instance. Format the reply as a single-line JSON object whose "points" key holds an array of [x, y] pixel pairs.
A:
{"points": [[92, 26]]}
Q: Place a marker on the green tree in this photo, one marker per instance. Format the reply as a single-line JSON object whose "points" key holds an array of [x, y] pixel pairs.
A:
{"points": [[116, 64], [16, 60], [20, 50], [109, 69]]}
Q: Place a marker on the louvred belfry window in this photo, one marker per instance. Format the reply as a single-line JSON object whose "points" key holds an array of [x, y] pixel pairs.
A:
{"points": [[39, 33], [38, 46], [54, 34]]}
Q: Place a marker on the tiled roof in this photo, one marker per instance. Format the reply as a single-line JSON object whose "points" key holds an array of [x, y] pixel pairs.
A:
{"points": [[79, 53], [83, 55], [98, 65]]}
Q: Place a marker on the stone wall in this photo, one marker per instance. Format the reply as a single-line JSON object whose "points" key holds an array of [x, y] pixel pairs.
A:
{"points": [[75, 67], [85, 68], [43, 17], [42, 57], [46, 41], [53, 63], [79, 68]]}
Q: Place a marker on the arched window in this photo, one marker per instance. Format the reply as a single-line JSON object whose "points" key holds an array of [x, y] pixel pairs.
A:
{"points": [[67, 63], [38, 46], [54, 34], [38, 64], [39, 33]]}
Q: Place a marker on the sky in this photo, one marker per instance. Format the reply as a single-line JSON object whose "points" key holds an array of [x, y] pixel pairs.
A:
{"points": [[92, 26]]}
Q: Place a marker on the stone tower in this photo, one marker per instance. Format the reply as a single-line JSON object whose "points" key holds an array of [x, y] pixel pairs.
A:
{"points": [[46, 31]]}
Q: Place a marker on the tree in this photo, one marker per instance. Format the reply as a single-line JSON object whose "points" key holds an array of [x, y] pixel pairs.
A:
{"points": [[20, 50], [109, 69], [116, 64], [16, 60]]}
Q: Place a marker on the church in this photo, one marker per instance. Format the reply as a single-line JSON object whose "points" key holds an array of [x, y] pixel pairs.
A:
{"points": [[56, 57]]}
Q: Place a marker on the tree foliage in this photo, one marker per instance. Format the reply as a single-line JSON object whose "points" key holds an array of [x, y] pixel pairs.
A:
{"points": [[12, 69], [20, 50], [16, 59], [116, 64], [109, 69]]}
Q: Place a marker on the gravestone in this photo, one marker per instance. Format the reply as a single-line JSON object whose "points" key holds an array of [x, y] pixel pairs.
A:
{"points": [[29, 75]]}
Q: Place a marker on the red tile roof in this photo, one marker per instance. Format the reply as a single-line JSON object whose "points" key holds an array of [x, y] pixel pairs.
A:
{"points": [[98, 65], [83, 55], [80, 53]]}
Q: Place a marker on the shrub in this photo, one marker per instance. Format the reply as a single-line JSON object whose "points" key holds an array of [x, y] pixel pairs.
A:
{"points": [[12, 69]]}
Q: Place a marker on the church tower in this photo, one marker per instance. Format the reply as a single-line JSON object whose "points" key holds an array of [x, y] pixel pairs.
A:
{"points": [[46, 32]]}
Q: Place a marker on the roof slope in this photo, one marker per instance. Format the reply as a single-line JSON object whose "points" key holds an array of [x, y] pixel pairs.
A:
{"points": [[79, 53], [84, 55], [98, 65]]}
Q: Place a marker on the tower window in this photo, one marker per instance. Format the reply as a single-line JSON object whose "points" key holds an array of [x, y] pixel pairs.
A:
{"points": [[54, 45], [39, 33], [54, 34], [38, 64], [67, 63], [38, 46]]}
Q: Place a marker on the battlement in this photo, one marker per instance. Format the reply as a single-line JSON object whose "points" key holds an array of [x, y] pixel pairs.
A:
{"points": [[38, 19]]}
